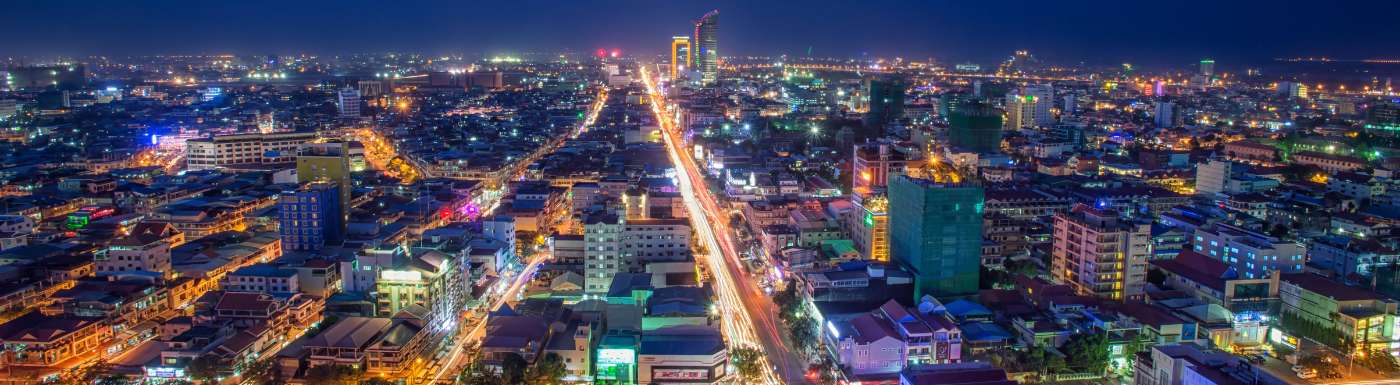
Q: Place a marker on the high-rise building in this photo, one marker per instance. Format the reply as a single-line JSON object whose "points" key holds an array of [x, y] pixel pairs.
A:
{"points": [[327, 162], [872, 165], [1020, 111], [613, 244], [886, 101], [1098, 253], [349, 103], [936, 233], [1044, 99], [680, 55], [868, 221], [311, 217], [1208, 67], [975, 126], [602, 251], [1164, 114], [705, 47]]}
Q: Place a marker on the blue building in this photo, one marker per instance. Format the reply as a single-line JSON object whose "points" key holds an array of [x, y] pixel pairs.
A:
{"points": [[311, 217]]}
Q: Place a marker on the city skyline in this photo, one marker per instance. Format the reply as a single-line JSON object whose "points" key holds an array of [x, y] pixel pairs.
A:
{"points": [[1156, 34]]}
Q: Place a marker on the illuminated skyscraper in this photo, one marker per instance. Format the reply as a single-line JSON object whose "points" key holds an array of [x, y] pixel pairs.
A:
{"points": [[1208, 67], [680, 55], [706, 47]]}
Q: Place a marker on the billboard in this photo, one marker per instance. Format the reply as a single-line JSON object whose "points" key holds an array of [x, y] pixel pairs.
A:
{"points": [[680, 374]]}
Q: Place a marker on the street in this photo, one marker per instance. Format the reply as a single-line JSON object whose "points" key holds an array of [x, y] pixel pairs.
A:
{"points": [[748, 314]]}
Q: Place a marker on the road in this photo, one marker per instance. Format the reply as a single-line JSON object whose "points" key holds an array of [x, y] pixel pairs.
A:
{"points": [[749, 317], [462, 340], [455, 359]]}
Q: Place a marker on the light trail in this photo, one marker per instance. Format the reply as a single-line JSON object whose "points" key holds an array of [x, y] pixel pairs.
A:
{"points": [[736, 318], [459, 343]]}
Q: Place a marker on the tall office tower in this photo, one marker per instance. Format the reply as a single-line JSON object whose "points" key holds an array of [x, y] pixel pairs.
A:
{"points": [[706, 47], [326, 162], [975, 126], [1208, 67], [936, 233], [680, 55], [1164, 114], [1100, 254], [602, 255], [886, 101], [311, 217], [349, 102]]}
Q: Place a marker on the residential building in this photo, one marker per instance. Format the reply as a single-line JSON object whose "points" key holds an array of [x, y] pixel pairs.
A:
{"points": [[1100, 254]]}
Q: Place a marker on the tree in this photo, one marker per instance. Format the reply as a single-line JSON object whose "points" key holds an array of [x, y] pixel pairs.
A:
{"points": [[477, 373], [1156, 277], [203, 369], [513, 368], [548, 370], [333, 375], [746, 362], [1088, 352], [1380, 361]]}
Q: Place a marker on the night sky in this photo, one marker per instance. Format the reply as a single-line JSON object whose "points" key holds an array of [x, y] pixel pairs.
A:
{"points": [[1154, 32]]}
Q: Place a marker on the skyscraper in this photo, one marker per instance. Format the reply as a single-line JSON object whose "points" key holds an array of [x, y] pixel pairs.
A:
{"points": [[310, 217], [1208, 67], [886, 101], [349, 103], [706, 47], [680, 55], [975, 126], [936, 233]]}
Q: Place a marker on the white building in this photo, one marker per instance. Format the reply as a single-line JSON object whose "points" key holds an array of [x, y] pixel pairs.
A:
{"points": [[602, 240], [349, 102], [613, 245], [243, 149]]}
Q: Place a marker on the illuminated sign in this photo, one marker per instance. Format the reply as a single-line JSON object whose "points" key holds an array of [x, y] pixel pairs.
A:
{"points": [[1278, 337], [401, 275], [165, 372], [616, 356], [680, 374]]}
